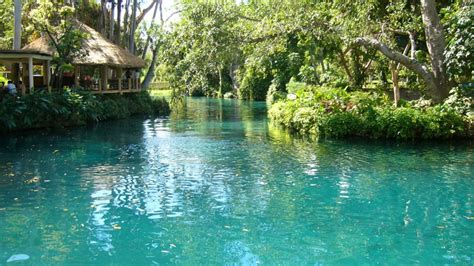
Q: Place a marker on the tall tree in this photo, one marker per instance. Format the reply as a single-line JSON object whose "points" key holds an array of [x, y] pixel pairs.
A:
{"points": [[119, 25], [103, 17], [435, 78], [17, 18], [436, 44], [147, 42], [126, 18], [155, 39], [112, 21], [133, 26]]}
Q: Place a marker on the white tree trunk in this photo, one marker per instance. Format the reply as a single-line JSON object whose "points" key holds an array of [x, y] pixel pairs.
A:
{"points": [[17, 34], [436, 44]]}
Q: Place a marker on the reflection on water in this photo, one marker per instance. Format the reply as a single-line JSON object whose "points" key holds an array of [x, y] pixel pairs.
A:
{"points": [[215, 183]]}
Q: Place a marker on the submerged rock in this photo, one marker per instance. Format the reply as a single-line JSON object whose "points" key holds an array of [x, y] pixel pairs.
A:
{"points": [[18, 257]]}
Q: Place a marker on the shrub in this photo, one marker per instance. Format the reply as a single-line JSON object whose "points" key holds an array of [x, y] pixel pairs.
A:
{"points": [[332, 112], [73, 108]]}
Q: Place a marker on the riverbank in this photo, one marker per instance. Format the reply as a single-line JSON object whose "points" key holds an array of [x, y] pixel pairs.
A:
{"points": [[74, 108], [333, 112]]}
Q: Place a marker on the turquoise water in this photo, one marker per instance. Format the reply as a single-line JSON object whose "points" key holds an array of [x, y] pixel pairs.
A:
{"points": [[216, 184]]}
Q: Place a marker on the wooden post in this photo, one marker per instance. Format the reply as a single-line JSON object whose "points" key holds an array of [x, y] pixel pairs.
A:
{"points": [[30, 74], [77, 76], [103, 77], [137, 79], [24, 78], [47, 74], [119, 79], [15, 73]]}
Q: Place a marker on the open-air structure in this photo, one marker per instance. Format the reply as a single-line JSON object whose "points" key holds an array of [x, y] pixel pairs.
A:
{"points": [[104, 68], [21, 63]]}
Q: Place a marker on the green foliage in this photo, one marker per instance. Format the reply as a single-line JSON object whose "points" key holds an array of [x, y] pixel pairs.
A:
{"points": [[274, 95], [64, 33], [314, 42], [72, 108], [460, 46], [198, 52], [6, 24], [332, 112], [254, 83]]}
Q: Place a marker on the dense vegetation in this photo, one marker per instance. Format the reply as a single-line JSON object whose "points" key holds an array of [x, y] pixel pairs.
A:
{"points": [[395, 51], [57, 20], [73, 108], [331, 112], [381, 52]]}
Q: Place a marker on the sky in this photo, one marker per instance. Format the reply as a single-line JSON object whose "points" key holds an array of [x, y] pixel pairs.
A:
{"points": [[169, 6]]}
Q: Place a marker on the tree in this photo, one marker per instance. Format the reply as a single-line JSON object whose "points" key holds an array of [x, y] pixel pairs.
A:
{"points": [[112, 22], [148, 39], [119, 25], [103, 17], [64, 33], [435, 78], [17, 17], [133, 26]]}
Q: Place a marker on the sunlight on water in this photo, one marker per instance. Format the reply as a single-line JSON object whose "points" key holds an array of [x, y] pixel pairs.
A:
{"points": [[217, 184]]}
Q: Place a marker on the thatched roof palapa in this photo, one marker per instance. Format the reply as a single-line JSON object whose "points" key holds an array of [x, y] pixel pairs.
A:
{"points": [[100, 51]]}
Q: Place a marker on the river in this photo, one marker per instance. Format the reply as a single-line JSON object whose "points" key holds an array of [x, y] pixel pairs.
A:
{"points": [[216, 184]]}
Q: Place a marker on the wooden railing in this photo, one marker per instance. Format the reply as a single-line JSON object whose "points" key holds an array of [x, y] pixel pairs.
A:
{"points": [[113, 86]]}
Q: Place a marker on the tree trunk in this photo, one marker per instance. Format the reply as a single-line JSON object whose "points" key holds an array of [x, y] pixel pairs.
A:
{"points": [[142, 15], [125, 23], [119, 17], [220, 82], [343, 60], [148, 39], [161, 12], [150, 74], [396, 88], [233, 77], [102, 18], [131, 46], [412, 44], [436, 44], [17, 25], [407, 62], [112, 21]]}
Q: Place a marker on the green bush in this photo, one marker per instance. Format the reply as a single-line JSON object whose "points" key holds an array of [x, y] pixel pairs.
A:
{"points": [[274, 95], [73, 108], [332, 112]]}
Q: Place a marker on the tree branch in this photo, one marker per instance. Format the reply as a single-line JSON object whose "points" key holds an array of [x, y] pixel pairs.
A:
{"points": [[415, 66], [398, 57], [145, 11]]}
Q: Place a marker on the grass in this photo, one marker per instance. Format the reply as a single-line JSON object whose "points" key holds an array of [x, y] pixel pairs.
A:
{"points": [[160, 93]]}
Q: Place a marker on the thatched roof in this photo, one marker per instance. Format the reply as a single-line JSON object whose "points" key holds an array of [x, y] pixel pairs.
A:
{"points": [[100, 51]]}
